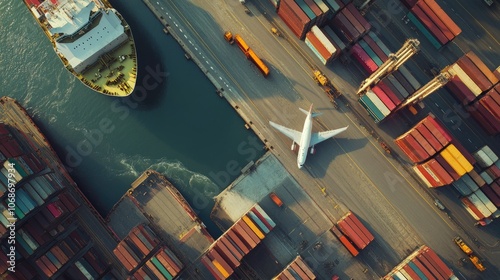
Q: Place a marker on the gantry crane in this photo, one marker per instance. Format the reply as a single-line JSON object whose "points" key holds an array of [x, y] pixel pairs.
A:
{"points": [[435, 84], [409, 48]]}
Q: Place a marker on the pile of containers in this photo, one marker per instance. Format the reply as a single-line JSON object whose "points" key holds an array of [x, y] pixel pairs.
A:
{"points": [[321, 46], [297, 269], [432, 21], [226, 253], [423, 263], [477, 88], [388, 93], [352, 228], [162, 265], [481, 192], [139, 254], [445, 158], [350, 24]]}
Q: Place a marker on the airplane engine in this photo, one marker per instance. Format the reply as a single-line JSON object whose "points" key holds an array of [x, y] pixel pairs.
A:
{"points": [[293, 146], [312, 150]]}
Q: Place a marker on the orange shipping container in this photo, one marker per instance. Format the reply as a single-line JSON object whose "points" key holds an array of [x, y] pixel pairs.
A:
{"points": [[253, 227]]}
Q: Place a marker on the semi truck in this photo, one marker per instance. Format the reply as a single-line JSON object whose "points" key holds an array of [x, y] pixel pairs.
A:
{"points": [[468, 251], [249, 53]]}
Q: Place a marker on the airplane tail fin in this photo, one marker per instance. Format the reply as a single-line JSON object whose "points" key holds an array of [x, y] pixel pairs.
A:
{"points": [[310, 111]]}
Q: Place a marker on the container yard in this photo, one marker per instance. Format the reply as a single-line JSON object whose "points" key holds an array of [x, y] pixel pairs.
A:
{"points": [[48, 207], [355, 231], [423, 263]]}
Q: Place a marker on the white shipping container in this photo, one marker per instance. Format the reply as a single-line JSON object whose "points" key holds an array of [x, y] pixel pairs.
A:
{"points": [[399, 275], [471, 212], [422, 177], [482, 159], [490, 153], [466, 79], [315, 51], [479, 205], [378, 103], [324, 40], [487, 202], [335, 38], [405, 274]]}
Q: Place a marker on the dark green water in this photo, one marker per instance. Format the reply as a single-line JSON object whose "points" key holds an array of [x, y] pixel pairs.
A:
{"points": [[179, 126]]}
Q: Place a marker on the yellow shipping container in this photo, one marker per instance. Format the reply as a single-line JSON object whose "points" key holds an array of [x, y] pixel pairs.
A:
{"points": [[220, 268], [254, 228], [452, 161], [460, 158]]}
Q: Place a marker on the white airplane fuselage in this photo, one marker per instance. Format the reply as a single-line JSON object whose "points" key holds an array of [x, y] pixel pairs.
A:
{"points": [[305, 140]]}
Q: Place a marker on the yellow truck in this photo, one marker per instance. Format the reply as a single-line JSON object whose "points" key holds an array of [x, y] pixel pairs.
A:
{"points": [[468, 251], [327, 86]]}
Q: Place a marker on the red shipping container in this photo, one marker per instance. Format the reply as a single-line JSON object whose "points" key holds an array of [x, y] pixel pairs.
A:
{"points": [[472, 207], [393, 88], [411, 272], [318, 45], [485, 124], [490, 105], [446, 271], [452, 26], [174, 264], [376, 48], [231, 247], [363, 58], [433, 180], [474, 73], [416, 147], [409, 152], [210, 266], [429, 24], [490, 193], [250, 232], [460, 90], [245, 237], [366, 25], [226, 254], [484, 69], [167, 264], [447, 167], [294, 18], [346, 27], [212, 254], [357, 230], [430, 267], [394, 97], [428, 11], [422, 268], [352, 19], [440, 172], [437, 128], [299, 271], [351, 233], [384, 98], [362, 227], [423, 142], [238, 241], [429, 137], [494, 172]]}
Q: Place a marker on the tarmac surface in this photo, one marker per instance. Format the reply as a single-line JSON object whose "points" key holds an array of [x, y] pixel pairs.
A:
{"points": [[351, 171]]}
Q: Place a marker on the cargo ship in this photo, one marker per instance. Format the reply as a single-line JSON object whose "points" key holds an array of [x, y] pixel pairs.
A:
{"points": [[93, 41]]}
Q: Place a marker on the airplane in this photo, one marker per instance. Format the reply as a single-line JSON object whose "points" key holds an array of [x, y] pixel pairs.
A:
{"points": [[306, 139]]}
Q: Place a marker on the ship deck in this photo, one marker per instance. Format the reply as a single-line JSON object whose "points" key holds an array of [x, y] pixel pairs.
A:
{"points": [[152, 199], [115, 73]]}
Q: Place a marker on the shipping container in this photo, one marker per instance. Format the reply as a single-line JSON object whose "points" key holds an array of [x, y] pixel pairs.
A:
{"points": [[384, 98], [398, 85], [172, 260], [491, 195], [166, 263], [372, 110], [441, 134], [479, 205], [488, 203], [474, 73], [294, 18], [263, 216], [353, 20], [258, 222], [346, 28], [410, 272], [443, 268], [244, 236], [238, 241], [362, 227], [428, 28], [352, 234], [211, 267], [460, 90], [415, 261], [458, 71], [415, 147], [444, 163], [430, 266], [378, 103], [429, 150], [334, 38], [364, 59], [392, 88], [249, 231], [347, 244], [370, 53], [226, 254], [452, 26], [436, 20], [233, 248], [482, 67], [395, 98]]}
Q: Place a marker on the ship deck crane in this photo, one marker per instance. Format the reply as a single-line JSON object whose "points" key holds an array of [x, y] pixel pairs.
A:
{"points": [[409, 48]]}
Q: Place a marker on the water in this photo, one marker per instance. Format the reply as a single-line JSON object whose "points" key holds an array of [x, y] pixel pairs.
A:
{"points": [[179, 127]]}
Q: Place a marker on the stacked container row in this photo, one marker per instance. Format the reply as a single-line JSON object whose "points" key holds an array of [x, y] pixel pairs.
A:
{"points": [[343, 239], [352, 227], [471, 78], [321, 46], [297, 269], [433, 22], [162, 265], [349, 24], [226, 253], [486, 110], [424, 140], [423, 263]]}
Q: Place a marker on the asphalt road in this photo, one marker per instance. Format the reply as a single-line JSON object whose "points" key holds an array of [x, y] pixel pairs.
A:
{"points": [[351, 170]]}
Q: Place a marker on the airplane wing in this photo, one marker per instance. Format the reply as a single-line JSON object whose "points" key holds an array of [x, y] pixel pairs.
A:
{"points": [[322, 136], [290, 133]]}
